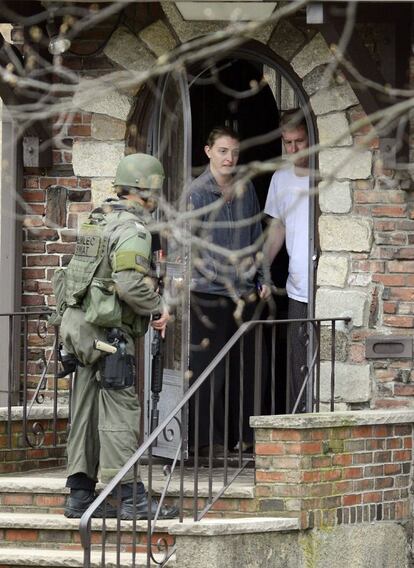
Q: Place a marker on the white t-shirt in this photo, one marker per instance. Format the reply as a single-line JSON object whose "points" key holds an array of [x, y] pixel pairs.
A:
{"points": [[288, 201]]}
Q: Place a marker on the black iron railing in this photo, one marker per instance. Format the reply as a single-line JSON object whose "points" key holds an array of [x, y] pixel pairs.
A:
{"points": [[160, 551], [29, 354]]}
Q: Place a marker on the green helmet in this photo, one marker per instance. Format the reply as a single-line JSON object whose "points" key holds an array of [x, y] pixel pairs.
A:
{"points": [[141, 171]]}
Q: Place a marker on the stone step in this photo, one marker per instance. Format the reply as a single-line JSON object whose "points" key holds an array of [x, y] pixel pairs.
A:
{"points": [[45, 492], [31, 517], [58, 532], [30, 557]]}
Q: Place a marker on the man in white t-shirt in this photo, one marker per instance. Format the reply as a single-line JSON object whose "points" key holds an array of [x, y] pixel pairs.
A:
{"points": [[288, 205]]}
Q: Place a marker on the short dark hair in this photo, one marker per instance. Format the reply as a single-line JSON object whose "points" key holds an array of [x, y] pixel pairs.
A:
{"points": [[293, 118], [218, 132]]}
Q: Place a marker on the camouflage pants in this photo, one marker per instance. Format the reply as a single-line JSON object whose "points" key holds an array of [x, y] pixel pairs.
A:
{"points": [[105, 428]]}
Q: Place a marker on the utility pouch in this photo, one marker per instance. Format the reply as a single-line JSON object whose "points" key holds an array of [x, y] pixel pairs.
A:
{"points": [[59, 290], [101, 303], [78, 336], [117, 371]]}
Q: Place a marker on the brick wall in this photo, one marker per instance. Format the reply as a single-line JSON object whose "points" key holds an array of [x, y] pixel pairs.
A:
{"points": [[378, 279], [50, 231], [47, 241], [366, 238], [50, 228], [45, 451], [331, 469], [54, 199]]}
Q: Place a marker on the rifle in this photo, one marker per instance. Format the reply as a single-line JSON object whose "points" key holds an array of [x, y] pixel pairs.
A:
{"points": [[157, 368]]}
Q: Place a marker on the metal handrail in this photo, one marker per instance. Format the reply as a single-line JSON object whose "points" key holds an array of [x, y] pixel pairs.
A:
{"points": [[22, 317], [85, 521]]}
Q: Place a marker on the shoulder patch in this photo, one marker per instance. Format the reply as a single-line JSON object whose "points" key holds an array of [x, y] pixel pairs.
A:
{"points": [[130, 260]]}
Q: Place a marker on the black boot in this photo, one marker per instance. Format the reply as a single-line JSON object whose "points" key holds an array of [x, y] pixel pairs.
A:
{"points": [[80, 499], [141, 510]]}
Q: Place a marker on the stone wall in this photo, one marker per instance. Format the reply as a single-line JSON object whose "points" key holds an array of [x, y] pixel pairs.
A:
{"points": [[366, 230], [364, 269], [264, 544], [365, 233]]}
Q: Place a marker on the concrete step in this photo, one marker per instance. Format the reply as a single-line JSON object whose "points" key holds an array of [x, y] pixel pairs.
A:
{"points": [[29, 557], [32, 493], [58, 532], [34, 532], [45, 492]]}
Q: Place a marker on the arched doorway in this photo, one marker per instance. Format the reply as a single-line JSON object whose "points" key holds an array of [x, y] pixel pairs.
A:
{"points": [[234, 92], [183, 116], [248, 91]]}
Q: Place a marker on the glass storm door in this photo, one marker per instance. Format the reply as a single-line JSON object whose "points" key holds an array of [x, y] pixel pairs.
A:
{"points": [[171, 143]]}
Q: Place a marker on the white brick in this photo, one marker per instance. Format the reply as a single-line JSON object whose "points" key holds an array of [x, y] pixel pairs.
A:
{"points": [[345, 233], [343, 303], [96, 159], [187, 30], [318, 79], [352, 382], [286, 40], [107, 128], [333, 99], [125, 49], [158, 38], [360, 279], [349, 163], [332, 270], [315, 53], [97, 97], [333, 130], [101, 189], [335, 196]]}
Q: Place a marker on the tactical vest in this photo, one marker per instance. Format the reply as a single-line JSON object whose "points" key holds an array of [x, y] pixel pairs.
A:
{"points": [[91, 246], [88, 277]]}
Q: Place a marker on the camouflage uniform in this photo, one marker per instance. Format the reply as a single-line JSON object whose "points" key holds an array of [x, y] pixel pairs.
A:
{"points": [[107, 285]]}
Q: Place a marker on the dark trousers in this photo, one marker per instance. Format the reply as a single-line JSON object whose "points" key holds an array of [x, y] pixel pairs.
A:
{"points": [[297, 354], [212, 324]]}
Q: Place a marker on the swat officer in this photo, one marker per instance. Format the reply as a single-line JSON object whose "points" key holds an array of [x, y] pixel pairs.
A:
{"points": [[108, 296]]}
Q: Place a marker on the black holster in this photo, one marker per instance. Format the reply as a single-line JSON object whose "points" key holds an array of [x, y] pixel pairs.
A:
{"points": [[117, 371], [68, 362]]}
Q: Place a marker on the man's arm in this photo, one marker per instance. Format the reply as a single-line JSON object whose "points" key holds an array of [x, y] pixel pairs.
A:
{"points": [[275, 230], [130, 265], [274, 240], [263, 276], [138, 292]]}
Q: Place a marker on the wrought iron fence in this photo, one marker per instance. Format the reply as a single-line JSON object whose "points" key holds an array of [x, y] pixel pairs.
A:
{"points": [[160, 550], [30, 355]]}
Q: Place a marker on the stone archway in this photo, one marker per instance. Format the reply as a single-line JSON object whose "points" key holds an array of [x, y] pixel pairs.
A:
{"points": [[344, 234]]}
